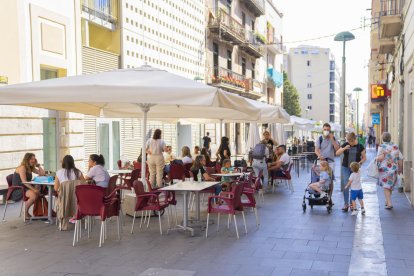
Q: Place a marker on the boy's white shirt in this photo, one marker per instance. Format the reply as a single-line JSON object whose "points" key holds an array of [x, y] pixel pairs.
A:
{"points": [[355, 181]]}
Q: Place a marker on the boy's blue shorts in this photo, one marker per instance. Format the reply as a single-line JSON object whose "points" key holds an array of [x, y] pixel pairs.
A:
{"points": [[356, 194]]}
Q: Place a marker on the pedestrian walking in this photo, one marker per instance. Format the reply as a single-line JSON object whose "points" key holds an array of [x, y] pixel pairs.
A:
{"points": [[353, 152], [356, 188], [155, 148], [390, 161], [207, 142]]}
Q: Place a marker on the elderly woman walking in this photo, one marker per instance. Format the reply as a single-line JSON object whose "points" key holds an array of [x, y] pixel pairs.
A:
{"points": [[390, 160]]}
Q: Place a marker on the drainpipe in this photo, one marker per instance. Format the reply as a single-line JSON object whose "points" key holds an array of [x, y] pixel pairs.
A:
{"points": [[401, 99]]}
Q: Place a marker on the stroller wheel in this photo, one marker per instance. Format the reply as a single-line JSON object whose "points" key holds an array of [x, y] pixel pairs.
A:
{"points": [[304, 207]]}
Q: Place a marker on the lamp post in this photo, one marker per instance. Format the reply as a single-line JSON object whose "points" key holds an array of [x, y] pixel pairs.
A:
{"points": [[344, 37], [357, 90]]}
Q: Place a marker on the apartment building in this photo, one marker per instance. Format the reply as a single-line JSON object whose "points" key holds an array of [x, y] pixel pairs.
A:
{"points": [[39, 42], [315, 74], [391, 77]]}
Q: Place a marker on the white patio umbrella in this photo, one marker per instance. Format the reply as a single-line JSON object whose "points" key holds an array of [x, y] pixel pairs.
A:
{"points": [[143, 92]]}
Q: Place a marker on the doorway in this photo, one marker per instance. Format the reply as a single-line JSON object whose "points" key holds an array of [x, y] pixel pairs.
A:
{"points": [[109, 142]]}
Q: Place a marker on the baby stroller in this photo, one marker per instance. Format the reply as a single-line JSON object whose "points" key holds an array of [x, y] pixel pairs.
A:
{"points": [[313, 197]]}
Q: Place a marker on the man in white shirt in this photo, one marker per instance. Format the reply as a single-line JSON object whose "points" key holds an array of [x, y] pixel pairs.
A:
{"points": [[168, 157], [282, 163]]}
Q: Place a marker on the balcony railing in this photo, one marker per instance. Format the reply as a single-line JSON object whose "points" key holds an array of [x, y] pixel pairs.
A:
{"points": [[227, 27], [256, 6], [254, 45], [225, 77], [389, 17], [275, 44], [103, 9], [254, 86]]}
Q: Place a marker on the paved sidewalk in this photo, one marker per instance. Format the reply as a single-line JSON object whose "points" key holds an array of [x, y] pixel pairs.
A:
{"points": [[288, 242]]}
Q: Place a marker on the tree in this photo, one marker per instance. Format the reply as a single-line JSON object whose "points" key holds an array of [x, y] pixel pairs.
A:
{"points": [[290, 97]]}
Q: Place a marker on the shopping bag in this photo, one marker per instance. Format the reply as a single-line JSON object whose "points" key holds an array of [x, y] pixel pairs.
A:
{"points": [[400, 181], [372, 170]]}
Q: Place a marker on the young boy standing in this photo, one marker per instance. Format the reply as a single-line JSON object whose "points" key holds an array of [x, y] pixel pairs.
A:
{"points": [[356, 189]]}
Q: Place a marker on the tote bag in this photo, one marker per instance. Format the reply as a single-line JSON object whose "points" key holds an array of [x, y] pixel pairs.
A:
{"points": [[373, 169]]}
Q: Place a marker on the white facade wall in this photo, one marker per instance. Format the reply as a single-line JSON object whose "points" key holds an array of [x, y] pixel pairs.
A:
{"points": [[310, 72], [39, 34]]}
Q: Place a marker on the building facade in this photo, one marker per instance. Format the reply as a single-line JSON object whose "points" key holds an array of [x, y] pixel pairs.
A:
{"points": [[40, 42], [392, 78], [314, 73]]}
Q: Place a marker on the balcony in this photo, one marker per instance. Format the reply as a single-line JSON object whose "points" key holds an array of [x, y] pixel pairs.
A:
{"points": [[254, 46], [254, 89], [274, 44], [103, 12], [255, 6], [390, 21], [226, 27], [386, 45], [228, 80]]}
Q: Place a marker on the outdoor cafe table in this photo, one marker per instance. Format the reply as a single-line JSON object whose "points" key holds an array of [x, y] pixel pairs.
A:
{"points": [[119, 171], [228, 174], [50, 203], [186, 187]]}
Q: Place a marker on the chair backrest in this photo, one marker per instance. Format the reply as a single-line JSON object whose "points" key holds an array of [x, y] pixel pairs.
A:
{"points": [[177, 171], [237, 190], [111, 184], [218, 167], [211, 170], [119, 162], [9, 180], [187, 168], [139, 190], [258, 182], [90, 200], [135, 174]]}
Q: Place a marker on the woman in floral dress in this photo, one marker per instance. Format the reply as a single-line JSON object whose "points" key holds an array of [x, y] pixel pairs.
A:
{"points": [[390, 159]]}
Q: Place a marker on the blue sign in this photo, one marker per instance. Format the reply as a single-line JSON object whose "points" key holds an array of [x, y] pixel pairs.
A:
{"points": [[376, 119]]}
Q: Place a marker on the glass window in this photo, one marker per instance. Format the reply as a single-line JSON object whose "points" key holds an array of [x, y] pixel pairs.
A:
{"points": [[308, 63], [309, 96], [243, 64], [229, 59], [253, 70]]}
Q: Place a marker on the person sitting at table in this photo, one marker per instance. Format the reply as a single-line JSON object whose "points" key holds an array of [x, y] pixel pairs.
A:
{"points": [[67, 173], [96, 171], [282, 163], [199, 167], [23, 174], [226, 169], [168, 158], [205, 153], [196, 151], [186, 155]]}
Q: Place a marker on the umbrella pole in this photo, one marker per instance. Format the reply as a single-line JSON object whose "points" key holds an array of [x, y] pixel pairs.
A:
{"points": [[145, 108]]}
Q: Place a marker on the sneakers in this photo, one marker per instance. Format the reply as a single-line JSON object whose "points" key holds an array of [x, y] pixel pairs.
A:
{"points": [[354, 212], [363, 211]]}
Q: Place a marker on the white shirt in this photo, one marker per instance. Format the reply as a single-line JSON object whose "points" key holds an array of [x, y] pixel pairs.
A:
{"points": [[356, 181], [285, 158], [187, 160], [61, 175], [156, 147], [99, 175]]}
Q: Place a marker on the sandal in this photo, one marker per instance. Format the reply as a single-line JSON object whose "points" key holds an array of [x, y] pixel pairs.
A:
{"points": [[388, 207], [345, 209]]}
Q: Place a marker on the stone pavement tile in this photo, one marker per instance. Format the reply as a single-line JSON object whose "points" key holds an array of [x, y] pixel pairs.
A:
{"points": [[166, 272], [398, 271], [281, 271], [292, 255], [395, 263], [286, 263], [269, 254], [341, 258], [255, 270], [317, 257], [331, 266], [336, 273], [409, 263], [337, 251], [218, 270], [307, 272], [346, 244], [323, 243]]}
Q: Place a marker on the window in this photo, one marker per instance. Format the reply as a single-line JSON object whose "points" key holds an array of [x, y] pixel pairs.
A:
{"points": [[243, 19], [243, 64], [309, 107], [229, 59], [332, 98], [253, 25], [228, 6], [308, 63], [332, 65], [309, 85], [332, 118], [332, 76], [253, 70], [309, 96], [332, 87], [215, 58]]}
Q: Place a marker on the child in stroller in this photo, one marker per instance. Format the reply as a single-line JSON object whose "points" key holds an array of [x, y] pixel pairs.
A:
{"points": [[325, 178], [319, 191]]}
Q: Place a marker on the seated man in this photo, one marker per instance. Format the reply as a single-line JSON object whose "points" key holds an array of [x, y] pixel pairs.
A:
{"points": [[282, 163]]}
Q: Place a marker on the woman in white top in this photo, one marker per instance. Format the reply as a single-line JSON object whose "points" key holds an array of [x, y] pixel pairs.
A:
{"points": [[67, 173], [97, 171], [186, 155], [156, 163]]}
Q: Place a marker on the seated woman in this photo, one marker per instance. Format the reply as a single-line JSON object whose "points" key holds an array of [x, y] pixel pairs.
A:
{"points": [[186, 155], [198, 168], [196, 151], [227, 168], [22, 174], [67, 173], [97, 172], [205, 153]]}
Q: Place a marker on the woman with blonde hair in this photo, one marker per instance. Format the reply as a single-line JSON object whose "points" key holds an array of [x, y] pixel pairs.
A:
{"points": [[24, 173], [186, 155]]}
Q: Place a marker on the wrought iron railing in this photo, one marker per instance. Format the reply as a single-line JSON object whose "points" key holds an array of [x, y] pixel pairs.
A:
{"points": [[222, 75], [391, 7], [223, 18]]}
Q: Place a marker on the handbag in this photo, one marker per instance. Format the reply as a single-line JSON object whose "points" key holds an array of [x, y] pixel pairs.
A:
{"points": [[373, 169], [400, 181], [40, 207]]}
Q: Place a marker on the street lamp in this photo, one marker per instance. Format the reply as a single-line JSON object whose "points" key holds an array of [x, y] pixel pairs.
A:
{"points": [[344, 37], [357, 90]]}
